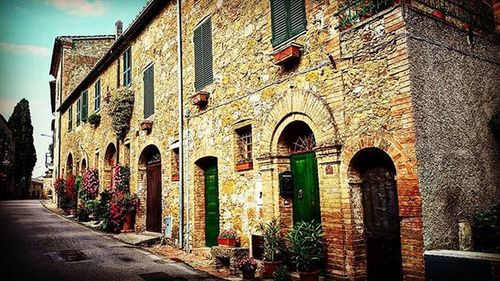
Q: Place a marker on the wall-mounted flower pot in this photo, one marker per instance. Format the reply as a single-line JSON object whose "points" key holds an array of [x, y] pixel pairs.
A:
{"points": [[367, 15], [345, 26], [146, 125], [244, 166], [439, 14], [175, 177], [226, 242], [288, 55], [200, 98]]}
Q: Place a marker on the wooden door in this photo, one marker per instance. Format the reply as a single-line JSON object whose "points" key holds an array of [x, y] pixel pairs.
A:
{"points": [[211, 206], [153, 207], [306, 187], [381, 220]]}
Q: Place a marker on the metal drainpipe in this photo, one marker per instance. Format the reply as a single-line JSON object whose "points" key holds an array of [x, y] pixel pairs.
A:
{"points": [[187, 180], [180, 117]]}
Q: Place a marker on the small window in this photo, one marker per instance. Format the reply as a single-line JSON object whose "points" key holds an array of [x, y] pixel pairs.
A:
{"points": [[244, 144], [97, 96], [70, 118], [288, 19], [203, 73], [175, 164], [127, 67], [78, 111], [85, 105], [149, 96]]}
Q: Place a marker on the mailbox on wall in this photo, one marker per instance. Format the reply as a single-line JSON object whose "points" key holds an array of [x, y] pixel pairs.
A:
{"points": [[286, 183], [168, 227]]}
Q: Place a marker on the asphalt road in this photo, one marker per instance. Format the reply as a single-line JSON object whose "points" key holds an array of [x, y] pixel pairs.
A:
{"points": [[38, 245]]}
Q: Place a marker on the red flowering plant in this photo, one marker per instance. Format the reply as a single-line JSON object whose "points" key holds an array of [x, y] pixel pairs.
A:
{"points": [[90, 186], [59, 188], [121, 176], [70, 192], [121, 203]]}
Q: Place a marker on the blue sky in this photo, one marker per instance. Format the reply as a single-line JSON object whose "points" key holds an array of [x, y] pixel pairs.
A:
{"points": [[27, 32]]}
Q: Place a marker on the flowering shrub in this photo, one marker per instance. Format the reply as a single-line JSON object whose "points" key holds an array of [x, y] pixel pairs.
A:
{"points": [[121, 176], [90, 185], [228, 234], [246, 264], [120, 204], [70, 192], [59, 187], [121, 107]]}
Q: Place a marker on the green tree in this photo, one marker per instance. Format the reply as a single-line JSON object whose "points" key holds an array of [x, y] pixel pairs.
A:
{"points": [[25, 154]]}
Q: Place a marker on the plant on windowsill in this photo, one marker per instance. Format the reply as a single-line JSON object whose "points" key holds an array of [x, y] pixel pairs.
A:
{"points": [[440, 12], [495, 123], [247, 267], [175, 177], [288, 55], [146, 125], [306, 239], [244, 165], [274, 247], [122, 106], [94, 119], [227, 238], [200, 98]]}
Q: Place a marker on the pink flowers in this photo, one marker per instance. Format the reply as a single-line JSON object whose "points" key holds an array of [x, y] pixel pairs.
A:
{"points": [[121, 176], [246, 264], [90, 184]]}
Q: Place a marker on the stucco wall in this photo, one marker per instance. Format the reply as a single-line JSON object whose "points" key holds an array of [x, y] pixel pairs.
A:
{"points": [[455, 88]]}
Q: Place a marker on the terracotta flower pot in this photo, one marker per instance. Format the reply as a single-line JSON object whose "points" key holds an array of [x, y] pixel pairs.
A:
{"points": [[248, 274], [270, 267], [243, 166], [227, 242], [309, 276], [439, 14], [128, 223]]}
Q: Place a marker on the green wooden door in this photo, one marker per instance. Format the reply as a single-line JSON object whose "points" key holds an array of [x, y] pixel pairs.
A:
{"points": [[306, 187], [211, 206]]}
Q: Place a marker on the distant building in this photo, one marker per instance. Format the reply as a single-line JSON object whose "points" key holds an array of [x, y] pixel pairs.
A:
{"points": [[36, 188]]}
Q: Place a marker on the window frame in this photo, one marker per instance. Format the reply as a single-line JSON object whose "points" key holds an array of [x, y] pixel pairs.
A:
{"points": [[244, 144], [97, 96], [70, 118], [127, 67], [78, 111]]}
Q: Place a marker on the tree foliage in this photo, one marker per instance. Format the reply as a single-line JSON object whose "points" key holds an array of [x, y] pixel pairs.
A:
{"points": [[122, 106], [25, 153]]}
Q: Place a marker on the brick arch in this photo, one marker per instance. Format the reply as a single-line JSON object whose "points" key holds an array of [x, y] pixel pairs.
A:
{"points": [[300, 106]]}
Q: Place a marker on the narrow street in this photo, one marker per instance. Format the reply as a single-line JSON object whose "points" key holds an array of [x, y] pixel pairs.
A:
{"points": [[39, 245]]}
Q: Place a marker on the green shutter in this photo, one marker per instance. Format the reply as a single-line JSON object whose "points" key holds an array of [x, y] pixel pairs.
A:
{"points": [[97, 96], [78, 111], [85, 103], [297, 17], [279, 21], [149, 102], [203, 55]]}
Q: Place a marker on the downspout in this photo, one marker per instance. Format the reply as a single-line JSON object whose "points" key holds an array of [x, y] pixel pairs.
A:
{"points": [[180, 118], [188, 200]]}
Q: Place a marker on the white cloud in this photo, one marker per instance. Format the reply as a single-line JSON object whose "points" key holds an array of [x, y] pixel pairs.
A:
{"points": [[84, 8], [25, 49]]}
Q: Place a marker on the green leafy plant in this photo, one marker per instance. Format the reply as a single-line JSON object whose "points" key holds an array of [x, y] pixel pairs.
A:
{"points": [[306, 239], [122, 106], [101, 210], [228, 234], [94, 119], [486, 230], [274, 242], [282, 274], [495, 123]]}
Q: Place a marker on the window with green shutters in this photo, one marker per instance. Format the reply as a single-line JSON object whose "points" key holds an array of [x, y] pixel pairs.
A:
{"points": [[97, 96], [203, 71], [127, 67], [85, 105], [78, 111], [149, 96], [288, 19], [70, 118]]}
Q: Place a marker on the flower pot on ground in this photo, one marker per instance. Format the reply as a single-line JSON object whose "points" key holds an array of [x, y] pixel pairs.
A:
{"points": [[129, 222], [247, 267], [306, 239], [227, 238], [274, 247]]}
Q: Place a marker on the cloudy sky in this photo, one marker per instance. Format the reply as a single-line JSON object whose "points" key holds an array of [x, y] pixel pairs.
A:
{"points": [[27, 32]]}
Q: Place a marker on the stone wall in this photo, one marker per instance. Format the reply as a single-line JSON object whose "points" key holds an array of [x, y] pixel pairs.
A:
{"points": [[455, 82]]}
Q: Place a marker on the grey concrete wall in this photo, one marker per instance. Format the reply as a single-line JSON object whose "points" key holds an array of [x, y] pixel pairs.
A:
{"points": [[455, 89]]}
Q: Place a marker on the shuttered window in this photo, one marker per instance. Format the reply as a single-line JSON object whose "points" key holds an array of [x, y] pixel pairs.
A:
{"points": [[203, 55], [127, 67], [97, 96], [288, 19], [78, 111], [85, 105], [149, 96], [70, 118]]}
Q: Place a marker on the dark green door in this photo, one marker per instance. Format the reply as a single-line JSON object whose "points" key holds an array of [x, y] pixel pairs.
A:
{"points": [[306, 188], [211, 206]]}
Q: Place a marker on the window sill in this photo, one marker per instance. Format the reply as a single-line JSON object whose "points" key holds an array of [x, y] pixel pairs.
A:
{"points": [[289, 54], [244, 166], [288, 41]]}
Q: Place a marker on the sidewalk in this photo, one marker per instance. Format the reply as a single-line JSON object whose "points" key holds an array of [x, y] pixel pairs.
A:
{"points": [[149, 242]]}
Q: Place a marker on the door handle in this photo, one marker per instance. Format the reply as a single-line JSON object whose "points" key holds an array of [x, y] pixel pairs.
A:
{"points": [[301, 194]]}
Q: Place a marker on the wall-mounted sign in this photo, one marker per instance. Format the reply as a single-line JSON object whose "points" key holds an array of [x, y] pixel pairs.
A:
{"points": [[286, 183], [329, 170]]}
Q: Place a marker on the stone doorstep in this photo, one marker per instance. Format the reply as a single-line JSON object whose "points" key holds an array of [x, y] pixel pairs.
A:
{"points": [[139, 239], [464, 254]]}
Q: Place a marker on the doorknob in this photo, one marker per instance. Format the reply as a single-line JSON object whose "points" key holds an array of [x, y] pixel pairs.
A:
{"points": [[301, 194]]}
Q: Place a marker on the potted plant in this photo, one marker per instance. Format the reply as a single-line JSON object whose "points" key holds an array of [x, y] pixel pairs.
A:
{"points": [[146, 125], [274, 247], [122, 208], [70, 195], [94, 119], [282, 274], [244, 165], [306, 239], [247, 267], [227, 238], [440, 12]]}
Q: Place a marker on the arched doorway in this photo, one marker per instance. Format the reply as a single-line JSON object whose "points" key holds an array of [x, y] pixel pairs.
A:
{"points": [[298, 143], [109, 163], [207, 185], [69, 165], [150, 160], [373, 172]]}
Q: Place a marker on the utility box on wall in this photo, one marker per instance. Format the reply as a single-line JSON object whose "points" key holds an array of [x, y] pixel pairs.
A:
{"points": [[168, 227], [286, 183]]}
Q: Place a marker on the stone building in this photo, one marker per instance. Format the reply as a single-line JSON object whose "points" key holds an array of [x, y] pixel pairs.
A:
{"points": [[36, 188], [376, 110]]}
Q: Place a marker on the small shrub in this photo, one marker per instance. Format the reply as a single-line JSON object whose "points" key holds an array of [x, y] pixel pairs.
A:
{"points": [[486, 230], [70, 193], [282, 274], [306, 239]]}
